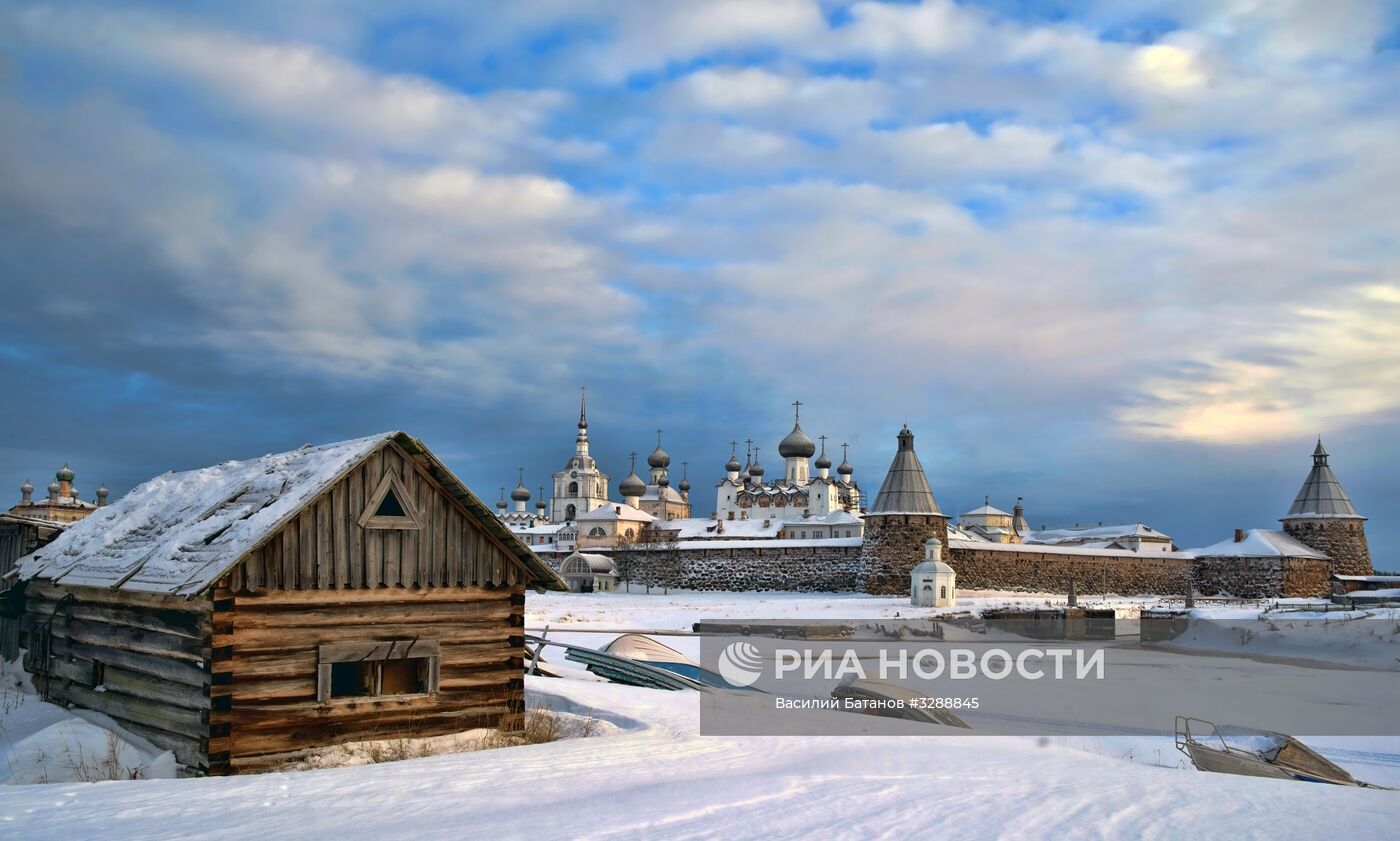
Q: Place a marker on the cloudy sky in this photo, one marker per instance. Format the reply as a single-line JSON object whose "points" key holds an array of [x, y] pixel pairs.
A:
{"points": [[1123, 258]]}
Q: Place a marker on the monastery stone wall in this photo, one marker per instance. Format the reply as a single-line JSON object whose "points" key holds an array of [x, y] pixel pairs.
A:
{"points": [[802, 568], [1257, 578], [1046, 572], [1342, 540]]}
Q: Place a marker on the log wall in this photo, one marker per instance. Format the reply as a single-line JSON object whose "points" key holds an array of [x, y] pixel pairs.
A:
{"points": [[142, 659], [266, 657]]}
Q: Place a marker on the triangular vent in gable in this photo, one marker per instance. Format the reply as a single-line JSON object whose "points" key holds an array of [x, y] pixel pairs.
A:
{"points": [[391, 506]]}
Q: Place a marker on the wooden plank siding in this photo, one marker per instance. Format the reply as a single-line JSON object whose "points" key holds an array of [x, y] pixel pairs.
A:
{"points": [[325, 547], [267, 644]]}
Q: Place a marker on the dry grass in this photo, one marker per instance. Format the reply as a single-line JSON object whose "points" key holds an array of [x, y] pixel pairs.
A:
{"points": [[542, 725], [97, 769]]}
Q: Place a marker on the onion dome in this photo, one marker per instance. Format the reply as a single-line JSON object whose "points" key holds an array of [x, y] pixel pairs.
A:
{"points": [[755, 469], [64, 474], [685, 477], [521, 493], [685, 485], [53, 489], [659, 457], [26, 488], [632, 485], [501, 503], [102, 494], [797, 444], [822, 462], [733, 465], [539, 502], [845, 469]]}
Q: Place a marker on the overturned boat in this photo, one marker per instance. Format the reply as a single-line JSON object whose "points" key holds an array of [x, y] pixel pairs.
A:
{"points": [[895, 700], [1256, 753]]}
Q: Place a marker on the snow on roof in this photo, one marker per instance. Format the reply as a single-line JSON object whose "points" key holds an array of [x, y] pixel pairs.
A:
{"points": [[177, 533], [956, 532], [671, 495], [615, 511], [1051, 549], [1374, 579], [1260, 543], [986, 511], [1095, 533], [700, 527]]}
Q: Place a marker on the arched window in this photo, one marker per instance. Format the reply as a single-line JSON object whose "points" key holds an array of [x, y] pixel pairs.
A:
{"points": [[629, 533], [596, 531], [943, 592], [569, 512], [573, 489]]}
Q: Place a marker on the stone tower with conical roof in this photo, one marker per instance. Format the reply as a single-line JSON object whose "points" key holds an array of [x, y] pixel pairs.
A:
{"points": [[1323, 517], [903, 516]]}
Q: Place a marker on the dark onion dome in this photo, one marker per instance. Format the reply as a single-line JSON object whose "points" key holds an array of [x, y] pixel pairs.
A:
{"points": [[755, 469], [845, 469], [733, 465], [521, 493], [632, 485], [797, 444], [64, 474], [822, 462], [659, 457], [685, 485]]}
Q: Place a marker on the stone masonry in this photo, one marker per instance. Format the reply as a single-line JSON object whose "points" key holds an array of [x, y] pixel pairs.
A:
{"points": [[1257, 578], [1045, 572], [893, 546], [1342, 540], [822, 569]]}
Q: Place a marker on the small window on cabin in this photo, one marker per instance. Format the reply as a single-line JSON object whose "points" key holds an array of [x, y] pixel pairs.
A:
{"points": [[377, 669]]}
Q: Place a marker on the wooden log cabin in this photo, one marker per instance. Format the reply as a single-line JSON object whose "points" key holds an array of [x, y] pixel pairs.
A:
{"points": [[243, 614], [19, 535]]}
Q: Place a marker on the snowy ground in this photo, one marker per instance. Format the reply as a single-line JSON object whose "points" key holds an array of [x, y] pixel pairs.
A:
{"points": [[651, 773]]}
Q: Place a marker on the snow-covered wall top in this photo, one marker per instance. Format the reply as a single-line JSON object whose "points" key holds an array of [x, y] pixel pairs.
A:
{"points": [[179, 531]]}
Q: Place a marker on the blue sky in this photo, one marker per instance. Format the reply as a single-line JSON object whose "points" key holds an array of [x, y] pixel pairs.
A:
{"points": [[1122, 259]]}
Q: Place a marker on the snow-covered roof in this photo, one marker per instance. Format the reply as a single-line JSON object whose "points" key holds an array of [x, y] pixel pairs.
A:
{"points": [[955, 532], [1373, 579], [615, 511], [1050, 549], [179, 532], [986, 511], [700, 527], [1095, 533], [671, 495], [1321, 495], [1260, 543]]}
